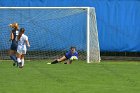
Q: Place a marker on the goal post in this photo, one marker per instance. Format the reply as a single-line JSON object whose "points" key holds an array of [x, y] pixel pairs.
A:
{"points": [[52, 31], [93, 50]]}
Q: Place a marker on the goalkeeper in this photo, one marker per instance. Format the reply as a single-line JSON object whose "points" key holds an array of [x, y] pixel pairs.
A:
{"points": [[70, 56]]}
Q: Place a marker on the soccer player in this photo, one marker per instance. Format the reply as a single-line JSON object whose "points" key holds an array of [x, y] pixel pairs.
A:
{"points": [[13, 38], [21, 49], [70, 56]]}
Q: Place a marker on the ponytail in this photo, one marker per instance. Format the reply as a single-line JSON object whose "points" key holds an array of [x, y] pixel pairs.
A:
{"points": [[20, 33]]}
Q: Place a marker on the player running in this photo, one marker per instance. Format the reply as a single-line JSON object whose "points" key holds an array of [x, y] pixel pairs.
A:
{"points": [[13, 38], [21, 49], [70, 56]]}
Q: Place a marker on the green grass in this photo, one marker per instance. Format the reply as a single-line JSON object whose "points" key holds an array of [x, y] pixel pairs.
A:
{"points": [[79, 77]]}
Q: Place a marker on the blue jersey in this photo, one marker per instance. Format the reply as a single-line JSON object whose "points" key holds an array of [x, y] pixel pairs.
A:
{"points": [[15, 33], [14, 41], [69, 54]]}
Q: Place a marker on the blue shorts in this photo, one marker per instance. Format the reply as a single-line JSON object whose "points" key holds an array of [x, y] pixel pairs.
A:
{"points": [[13, 47]]}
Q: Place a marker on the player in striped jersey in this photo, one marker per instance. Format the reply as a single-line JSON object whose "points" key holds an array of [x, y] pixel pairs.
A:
{"points": [[21, 49], [13, 38], [70, 56]]}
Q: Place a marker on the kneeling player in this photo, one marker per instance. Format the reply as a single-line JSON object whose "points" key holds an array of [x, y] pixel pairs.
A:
{"points": [[70, 56]]}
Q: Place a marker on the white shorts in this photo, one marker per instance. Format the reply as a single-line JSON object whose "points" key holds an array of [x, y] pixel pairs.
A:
{"points": [[21, 49]]}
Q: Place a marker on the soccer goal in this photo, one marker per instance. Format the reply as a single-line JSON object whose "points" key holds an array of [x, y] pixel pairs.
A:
{"points": [[52, 31]]}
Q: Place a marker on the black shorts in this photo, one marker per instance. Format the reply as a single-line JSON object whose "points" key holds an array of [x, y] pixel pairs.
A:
{"points": [[66, 57], [13, 47]]}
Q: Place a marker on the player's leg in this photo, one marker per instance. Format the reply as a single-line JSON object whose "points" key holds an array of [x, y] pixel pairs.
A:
{"points": [[12, 55], [22, 60], [22, 56], [68, 62], [62, 59], [19, 59], [19, 55], [59, 60]]}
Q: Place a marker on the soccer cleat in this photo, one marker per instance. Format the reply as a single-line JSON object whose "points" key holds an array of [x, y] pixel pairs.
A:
{"points": [[54, 62], [48, 63], [14, 64], [20, 66]]}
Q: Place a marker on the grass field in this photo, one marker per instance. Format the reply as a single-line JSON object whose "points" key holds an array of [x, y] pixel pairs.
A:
{"points": [[79, 77]]}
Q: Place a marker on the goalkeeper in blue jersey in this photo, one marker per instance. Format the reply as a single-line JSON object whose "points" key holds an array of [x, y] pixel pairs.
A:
{"points": [[70, 56], [13, 38]]}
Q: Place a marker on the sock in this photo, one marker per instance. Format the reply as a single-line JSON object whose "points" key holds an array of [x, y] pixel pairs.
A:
{"points": [[22, 60], [54, 62], [65, 63], [18, 60], [13, 58]]}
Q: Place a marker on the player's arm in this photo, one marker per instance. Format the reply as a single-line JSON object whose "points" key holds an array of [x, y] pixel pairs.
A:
{"points": [[75, 57], [11, 36], [27, 42]]}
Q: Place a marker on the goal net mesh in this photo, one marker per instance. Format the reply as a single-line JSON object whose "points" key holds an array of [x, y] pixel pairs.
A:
{"points": [[52, 31]]}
